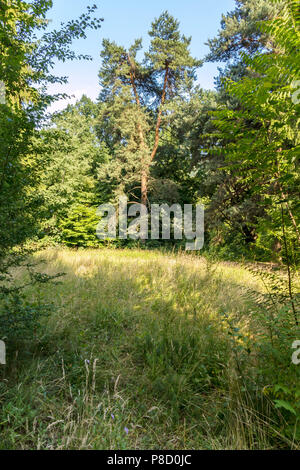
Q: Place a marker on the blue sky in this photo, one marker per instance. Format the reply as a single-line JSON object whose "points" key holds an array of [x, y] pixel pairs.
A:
{"points": [[126, 20]]}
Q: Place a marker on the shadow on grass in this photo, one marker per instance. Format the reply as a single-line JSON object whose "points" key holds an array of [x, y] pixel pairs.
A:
{"points": [[140, 340]]}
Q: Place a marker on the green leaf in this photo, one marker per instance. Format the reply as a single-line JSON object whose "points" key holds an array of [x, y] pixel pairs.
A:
{"points": [[286, 405]]}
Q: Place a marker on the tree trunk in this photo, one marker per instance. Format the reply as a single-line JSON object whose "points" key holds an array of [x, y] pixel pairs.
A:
{"points": [[145, 164]]}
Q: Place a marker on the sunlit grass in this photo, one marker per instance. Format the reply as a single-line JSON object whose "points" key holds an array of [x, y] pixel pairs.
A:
{"points": [[136, 340]]}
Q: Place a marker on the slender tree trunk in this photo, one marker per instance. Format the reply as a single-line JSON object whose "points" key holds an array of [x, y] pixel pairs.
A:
{"points": [[158, 123], [145, 164], [145, 161], [144, 188], [143, 146]]}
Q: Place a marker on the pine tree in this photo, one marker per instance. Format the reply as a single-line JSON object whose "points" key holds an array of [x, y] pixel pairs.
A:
{"points": [[136, 96], [240, 32]]}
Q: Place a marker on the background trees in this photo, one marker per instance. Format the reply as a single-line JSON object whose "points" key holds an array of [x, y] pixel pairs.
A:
{"points": [[69, 155], [156, 136], [25, 70]]}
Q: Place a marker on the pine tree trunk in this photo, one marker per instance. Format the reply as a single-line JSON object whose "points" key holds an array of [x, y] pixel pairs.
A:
{"points": [[145, 164], [144, 188]]}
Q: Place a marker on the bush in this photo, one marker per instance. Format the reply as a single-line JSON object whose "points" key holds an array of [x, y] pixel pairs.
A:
{"points": [[79, 228], [20, 320]]}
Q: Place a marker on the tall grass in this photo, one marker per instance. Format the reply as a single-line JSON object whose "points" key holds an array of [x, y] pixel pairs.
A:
{"points": [[142, 350]]}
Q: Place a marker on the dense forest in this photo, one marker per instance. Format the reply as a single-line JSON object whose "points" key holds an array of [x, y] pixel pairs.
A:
{"points": [[213, 339]]}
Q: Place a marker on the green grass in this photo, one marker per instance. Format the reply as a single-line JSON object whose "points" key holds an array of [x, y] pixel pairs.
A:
{"points": [[138, 340]]}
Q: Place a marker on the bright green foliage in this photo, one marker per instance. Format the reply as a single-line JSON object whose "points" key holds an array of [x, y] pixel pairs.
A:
{"points": [[17, 165], [25, 67], [69, 158], [257, 120], [264, 138], [78, 228]]}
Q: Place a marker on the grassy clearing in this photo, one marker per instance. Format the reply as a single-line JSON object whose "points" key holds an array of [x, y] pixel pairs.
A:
{"points": [[136, 354]]}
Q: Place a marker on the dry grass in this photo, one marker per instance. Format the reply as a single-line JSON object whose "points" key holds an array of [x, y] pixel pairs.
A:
{"points": [[135, 341]]}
